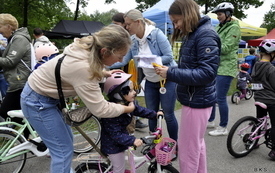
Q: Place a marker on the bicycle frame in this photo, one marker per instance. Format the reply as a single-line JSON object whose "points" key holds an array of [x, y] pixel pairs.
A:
{"points": [[263, 125], [8, 152], [134, 160]]}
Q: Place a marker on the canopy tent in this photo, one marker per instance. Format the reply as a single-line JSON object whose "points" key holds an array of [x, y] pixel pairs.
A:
{"points": [[71, 28], [159, 14], [242, 44], [256, 42], [246, 29]]}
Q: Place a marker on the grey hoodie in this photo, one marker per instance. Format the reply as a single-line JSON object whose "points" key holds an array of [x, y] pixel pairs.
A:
{"points": [[264, 73], [15, 72]]}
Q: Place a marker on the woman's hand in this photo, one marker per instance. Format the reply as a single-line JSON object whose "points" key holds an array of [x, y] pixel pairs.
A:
{"points": [[138, 142], [110, 72], [162, 71], [130, 108]]}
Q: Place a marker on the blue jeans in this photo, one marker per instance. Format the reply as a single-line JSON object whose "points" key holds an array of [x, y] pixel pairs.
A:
{"points": [[45, 117], [154, 99], [3, 85], [222, 87]]}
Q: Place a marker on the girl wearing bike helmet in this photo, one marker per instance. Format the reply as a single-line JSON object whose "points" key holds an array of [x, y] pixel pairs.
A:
{"points": [[243, 79], [44, 52], [115, 138], [230, 35], [263, 75]]}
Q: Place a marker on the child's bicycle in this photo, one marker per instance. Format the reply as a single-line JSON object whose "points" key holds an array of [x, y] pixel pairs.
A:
{"points": [[249, 94], [14, 146], [245, 134], [159, 161]]}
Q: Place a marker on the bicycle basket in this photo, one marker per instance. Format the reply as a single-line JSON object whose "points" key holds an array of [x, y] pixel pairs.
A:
{"points": [[164, 152], [76, 117]]}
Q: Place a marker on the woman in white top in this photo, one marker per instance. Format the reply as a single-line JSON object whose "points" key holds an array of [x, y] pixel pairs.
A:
{"points": [[149, 40]]}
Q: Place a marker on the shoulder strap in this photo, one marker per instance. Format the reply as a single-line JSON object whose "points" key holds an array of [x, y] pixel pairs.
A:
{"points": [[58, 81]]}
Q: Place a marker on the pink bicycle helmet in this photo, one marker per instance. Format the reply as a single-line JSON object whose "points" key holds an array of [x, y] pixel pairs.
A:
{"points": [[115, 81], [45, 50], [267, 45]]}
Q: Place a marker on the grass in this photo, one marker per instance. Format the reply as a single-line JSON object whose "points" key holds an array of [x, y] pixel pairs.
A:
{"points": [[232, 89]]}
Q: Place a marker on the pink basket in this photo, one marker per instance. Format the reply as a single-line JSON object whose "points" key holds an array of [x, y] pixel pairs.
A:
{"points": [[162, 157]]}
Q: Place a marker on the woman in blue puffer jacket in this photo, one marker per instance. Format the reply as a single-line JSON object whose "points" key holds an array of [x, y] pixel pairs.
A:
{"points": [[195, 77]]}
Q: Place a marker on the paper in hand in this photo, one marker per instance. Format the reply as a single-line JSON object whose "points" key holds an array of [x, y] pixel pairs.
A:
{"points": [[145, 61]]}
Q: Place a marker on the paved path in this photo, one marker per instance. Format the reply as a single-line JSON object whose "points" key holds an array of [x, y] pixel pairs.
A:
{"points": [[218, 158]]}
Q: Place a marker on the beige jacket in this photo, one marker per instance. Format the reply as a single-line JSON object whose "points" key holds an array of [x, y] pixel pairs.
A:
{"points": [[75, 81]]}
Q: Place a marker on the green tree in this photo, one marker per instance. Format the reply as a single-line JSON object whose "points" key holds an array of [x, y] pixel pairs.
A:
{"points": [[239, 6], [269, 19]]}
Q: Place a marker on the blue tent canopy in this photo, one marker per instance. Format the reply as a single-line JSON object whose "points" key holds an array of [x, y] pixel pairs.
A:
{"points": [[159, 14]]}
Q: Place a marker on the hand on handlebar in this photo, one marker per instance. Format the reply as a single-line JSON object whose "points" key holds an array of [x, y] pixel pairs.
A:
{"points": [[138, 142], [160, 113]]}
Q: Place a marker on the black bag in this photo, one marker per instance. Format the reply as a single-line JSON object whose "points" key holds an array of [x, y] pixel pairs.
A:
{"points": [[71, 117]]}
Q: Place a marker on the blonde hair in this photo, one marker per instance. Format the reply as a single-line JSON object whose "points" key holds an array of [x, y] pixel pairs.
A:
{"points": [[135, 15], [112, 37], [8, 19], [190, 12]]}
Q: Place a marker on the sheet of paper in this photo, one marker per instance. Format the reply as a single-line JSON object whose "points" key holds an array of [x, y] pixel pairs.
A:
{"points": [[145, 61]]}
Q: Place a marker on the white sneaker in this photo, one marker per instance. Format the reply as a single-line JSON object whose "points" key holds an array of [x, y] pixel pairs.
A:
{"points": [[237, 100], [211, 124], [220, 131]]}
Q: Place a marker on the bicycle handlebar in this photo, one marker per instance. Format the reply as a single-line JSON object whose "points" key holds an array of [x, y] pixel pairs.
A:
{"points": [[157, 134]]}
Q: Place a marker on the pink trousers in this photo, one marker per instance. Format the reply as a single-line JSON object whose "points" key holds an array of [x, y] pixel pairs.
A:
{"points": [[191, 144]]}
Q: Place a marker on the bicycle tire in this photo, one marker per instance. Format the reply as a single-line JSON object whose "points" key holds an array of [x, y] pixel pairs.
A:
{"points": [[234, 95], [239, 145], [164, 169], [16, 163], [91, 167], [249, 94], [92, 128]]}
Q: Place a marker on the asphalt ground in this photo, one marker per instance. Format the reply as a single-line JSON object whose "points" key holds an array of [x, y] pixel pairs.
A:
{"points": [[218, 158]]}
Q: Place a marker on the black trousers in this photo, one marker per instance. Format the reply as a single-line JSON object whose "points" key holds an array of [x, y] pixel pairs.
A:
{"points": [[12, 102], [271, 112]]}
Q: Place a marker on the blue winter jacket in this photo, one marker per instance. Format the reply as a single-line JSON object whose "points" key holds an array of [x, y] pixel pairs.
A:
{"points": [[197, 67], [114, 135]]}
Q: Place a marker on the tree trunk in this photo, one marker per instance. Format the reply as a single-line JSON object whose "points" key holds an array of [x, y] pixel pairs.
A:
{"points": [[25, 13], [76, 10]]}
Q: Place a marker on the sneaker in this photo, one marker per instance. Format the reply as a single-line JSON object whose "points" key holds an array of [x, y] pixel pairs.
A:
{"points": [[220, 131], [211, 124], [237, 100], [271, 154], [140, 125]]}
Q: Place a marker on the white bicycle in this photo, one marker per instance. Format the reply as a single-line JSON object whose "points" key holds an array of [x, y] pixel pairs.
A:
{"points": [[14, 147]]}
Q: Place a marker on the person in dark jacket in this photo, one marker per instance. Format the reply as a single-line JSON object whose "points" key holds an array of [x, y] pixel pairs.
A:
{"points": [[195, 77], [243, 79], [15, 62], [115, 138], [263, 75]]}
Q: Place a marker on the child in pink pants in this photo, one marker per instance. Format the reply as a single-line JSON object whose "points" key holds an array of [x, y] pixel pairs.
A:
{"points": [[192, 150]]}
